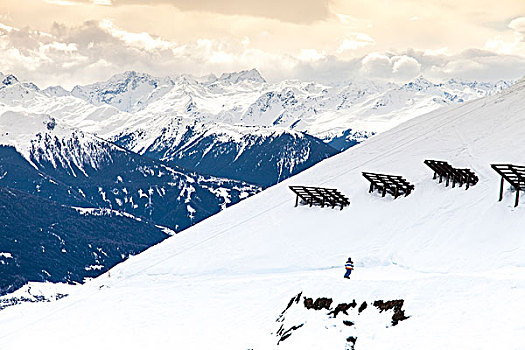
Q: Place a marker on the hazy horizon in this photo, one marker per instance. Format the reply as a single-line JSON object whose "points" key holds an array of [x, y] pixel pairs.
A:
{"points": [[67, 42]]}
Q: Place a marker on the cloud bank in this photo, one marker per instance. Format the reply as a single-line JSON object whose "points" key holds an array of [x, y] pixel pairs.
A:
{"points": [[94, 50], [295, 11]]}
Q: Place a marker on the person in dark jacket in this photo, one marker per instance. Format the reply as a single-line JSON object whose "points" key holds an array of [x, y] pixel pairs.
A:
{"points": [[349, 267]]}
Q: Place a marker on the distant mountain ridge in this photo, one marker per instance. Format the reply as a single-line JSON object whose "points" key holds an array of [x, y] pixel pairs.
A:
{"points": [[207, 123], [322, 111]]}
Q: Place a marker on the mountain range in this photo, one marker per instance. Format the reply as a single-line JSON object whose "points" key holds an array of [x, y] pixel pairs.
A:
{"points": [[214, 125], [441, 268], [173, 151]]}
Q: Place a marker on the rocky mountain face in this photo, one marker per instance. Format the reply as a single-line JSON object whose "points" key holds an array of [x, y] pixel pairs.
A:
{"points": [[75, 168], [263, 156]]}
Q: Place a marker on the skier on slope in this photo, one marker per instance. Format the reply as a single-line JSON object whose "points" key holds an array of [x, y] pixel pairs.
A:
{"points": [[349, 267]]}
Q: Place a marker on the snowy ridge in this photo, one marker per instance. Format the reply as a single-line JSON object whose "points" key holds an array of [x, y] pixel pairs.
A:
{"points": [[40, 138], [243, 98], [455, 257], [175, 134], [111, 212], [128, 91], [206, 123], [349, 112]]}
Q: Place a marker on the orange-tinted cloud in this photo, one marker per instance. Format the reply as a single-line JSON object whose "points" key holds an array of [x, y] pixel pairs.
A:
{"points": [[296, 11]]}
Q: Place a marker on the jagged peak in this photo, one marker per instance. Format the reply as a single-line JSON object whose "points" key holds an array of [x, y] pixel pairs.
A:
{"points": [[130, 74], [420, 81], [9, 79], [127, 77], [244, 75], [56, 90], [12, 81]]}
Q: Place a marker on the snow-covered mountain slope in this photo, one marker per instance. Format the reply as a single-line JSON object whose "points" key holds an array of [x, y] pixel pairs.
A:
{"points": [[45, 155], [455, 256], [129, 91], [14, 91], [55, 101], [40, 139], [263, 156]]}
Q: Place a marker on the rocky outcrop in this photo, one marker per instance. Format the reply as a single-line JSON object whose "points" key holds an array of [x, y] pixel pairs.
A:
{"points": [[294, 317]]}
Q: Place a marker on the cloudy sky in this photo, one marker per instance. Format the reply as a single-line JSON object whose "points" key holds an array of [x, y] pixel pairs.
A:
{"points": [[71, 42]]}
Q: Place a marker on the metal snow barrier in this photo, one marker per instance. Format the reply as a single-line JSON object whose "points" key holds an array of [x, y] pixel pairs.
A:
{"points": [[514, 174], [393, 184], [320, 196], [456, 175]]}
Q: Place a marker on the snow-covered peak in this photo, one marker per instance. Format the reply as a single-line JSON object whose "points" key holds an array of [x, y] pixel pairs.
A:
{"points": [[418, 84], [128, 91], [252, 75], [56, 91], [206, 79], [12, 91], [9, 79], [43, 138]]}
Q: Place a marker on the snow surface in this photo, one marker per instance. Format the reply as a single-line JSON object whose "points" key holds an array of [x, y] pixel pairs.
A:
{"points": [[456, 257]]}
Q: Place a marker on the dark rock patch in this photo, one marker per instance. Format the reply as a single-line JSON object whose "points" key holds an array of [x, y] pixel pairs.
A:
{"points": [[396, 305], [343, 307], [362, 307], [352, 341], [324, 303], [288, 333], [7, 302], [320, 303], [296, 300]]}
